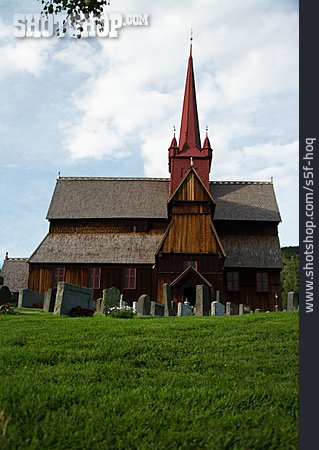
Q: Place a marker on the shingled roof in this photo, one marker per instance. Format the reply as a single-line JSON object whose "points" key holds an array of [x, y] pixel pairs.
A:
{"points": [[121, 248], [15, 272], [103, 198], [252, 251]]}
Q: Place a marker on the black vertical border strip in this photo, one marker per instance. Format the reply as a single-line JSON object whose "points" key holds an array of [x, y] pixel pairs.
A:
{"points": [[309, 322]]}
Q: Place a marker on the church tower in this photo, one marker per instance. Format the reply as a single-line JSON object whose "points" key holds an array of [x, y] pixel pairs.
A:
{"points": [[189, 152]]}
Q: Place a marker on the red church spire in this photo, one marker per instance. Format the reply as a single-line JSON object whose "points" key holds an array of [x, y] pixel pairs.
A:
{"points": [[189, 151], [189, 133]]}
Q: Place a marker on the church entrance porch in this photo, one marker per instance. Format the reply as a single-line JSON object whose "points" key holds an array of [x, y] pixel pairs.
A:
{"points": [[189, 295]]}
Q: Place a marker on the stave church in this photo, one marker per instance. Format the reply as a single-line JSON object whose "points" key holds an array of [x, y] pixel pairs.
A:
{"points": [[138, 233]]}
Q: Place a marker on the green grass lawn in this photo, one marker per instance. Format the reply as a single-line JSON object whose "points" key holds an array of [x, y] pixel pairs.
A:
{"points": [[149, 383]]}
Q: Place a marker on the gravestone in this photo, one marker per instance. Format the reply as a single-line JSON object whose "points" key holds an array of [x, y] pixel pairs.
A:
{"points": [[276, 308], [232, 309], [167, 297], [111, 299], [144, 306], [258, 310], [244, 309], [202, 300], [69, 296], [49, 301], [290, 301], [98, 305], [217, 309], [184, 309], [157, 309], [296, 301], [5, 295], [135, 307], [27, 298], [123, 303]]}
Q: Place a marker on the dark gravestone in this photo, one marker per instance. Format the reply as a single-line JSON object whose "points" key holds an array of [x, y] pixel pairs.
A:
{"points": [[167, 297], [111, 299], [202, 300], [157, 309], [217, 309], [28, 298], [69, 296], [144, 306], [232, 309], [5, 295], [49, 301]]}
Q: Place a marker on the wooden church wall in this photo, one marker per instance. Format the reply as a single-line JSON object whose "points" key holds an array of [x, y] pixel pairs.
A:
{"points": [[40, 279], [248, 294]]}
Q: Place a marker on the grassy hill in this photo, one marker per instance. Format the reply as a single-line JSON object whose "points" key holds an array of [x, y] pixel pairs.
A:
{"points": [[189, 382]]}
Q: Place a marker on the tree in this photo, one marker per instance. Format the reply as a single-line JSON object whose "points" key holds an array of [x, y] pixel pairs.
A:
{"points": [[77, 11], [290, 272]]}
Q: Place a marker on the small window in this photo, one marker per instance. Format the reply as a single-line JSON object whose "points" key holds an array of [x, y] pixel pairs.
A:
{"points": [[129, 278], [232, 281], [94, 277], [190, 264], [262, 281], [58, 274]]}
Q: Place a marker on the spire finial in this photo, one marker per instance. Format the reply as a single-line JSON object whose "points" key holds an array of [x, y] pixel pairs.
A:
{"points": [[206, 130], [191, 42], [174, 128]]}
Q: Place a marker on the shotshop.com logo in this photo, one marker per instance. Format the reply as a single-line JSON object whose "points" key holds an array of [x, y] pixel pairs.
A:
{"points": [[35, 25]]}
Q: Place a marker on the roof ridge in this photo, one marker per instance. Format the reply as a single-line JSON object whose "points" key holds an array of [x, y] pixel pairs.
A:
{"points": [[114, 178], [157, 179], [241, 182]]}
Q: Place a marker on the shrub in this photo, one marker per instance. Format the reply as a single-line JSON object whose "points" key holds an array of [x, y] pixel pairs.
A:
{"points": [[7, 308], [78, 311], [126, 313]]}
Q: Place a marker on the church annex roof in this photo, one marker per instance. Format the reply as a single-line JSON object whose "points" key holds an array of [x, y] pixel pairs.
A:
{"points": [[252, 251], [108, 248], [108, 198], [140, 248], [15, 272]]}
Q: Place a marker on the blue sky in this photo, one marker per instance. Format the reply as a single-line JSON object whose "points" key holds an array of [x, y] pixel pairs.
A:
{"points": [[107, 107]]}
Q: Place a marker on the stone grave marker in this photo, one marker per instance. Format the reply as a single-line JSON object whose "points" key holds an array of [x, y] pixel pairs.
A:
{"points": [[244, 309], [232, 309], [49, 301], [144, 306], [69, 296], [123, 303], [167, 297], [157, 309], [111, 299], [202, 300], [184, 309], [135, 307], [296, 301], [5, 295], [217, 309], [290, 301], [258, 310], [27, 298], [98, 305]]}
